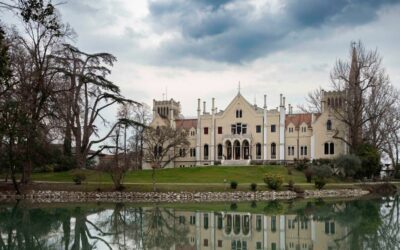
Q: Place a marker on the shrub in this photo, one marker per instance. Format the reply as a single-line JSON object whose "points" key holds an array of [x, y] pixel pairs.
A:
{"points": [[298, 190], [319, 182], [370, 159], [253, 186], [301, 164], [291, 185], [234, 206], [289, 171], [308, 173], [273, 181], [321, 173], [78, 177], [234, 184], [324, 171], [349, 165]]}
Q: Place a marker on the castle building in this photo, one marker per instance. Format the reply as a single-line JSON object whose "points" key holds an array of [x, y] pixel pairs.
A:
{"points": [[245, 134]]}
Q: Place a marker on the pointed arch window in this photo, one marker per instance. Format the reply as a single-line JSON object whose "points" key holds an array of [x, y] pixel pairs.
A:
{"points": [[205, 151], [329, 125], [258, 150], [273, 150]]}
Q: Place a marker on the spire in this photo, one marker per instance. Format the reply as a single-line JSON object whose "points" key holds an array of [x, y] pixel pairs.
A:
{"points": [[354, 64], [239, 88]]}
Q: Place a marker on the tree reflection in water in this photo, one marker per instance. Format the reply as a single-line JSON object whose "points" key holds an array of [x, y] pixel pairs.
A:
{"points": [[358, 224]]}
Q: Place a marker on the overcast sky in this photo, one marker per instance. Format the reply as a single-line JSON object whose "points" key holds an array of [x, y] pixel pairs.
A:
{"points": [[203, 48]]}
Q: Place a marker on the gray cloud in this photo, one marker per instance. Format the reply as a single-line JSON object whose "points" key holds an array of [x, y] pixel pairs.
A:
{"points": [[229, 31]]}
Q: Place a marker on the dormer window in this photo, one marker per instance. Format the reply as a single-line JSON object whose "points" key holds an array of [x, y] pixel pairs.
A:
{"points": [[290, 130], [304, 129], [329, 125], [239, 113]]}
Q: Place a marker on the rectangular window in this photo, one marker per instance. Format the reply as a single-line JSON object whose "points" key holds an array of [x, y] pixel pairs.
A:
{"points": [[273, 246], [258, 245], [192, 220], [258, 129], [273, 223], [301, 150], [233, 129], [219, 130], [219, 243], [238, 128], [206, 130], [258, 223], [205, 242], [244, 129], [219, 225], [305, 150], [273, 128], [205, 217]]}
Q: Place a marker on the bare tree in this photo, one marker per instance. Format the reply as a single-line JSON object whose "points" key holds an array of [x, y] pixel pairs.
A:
{"points": [[162, 146], [90, 94], [365, 86], [142, 115], [313, 102], [34, 81]]}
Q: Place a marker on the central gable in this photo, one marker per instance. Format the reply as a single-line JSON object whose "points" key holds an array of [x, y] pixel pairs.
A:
{"points": [[239, 102]]}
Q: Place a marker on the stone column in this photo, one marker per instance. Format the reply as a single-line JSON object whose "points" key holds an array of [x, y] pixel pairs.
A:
{"points": [[265, 129], [212, 148], [282, 117], [198, 134]]}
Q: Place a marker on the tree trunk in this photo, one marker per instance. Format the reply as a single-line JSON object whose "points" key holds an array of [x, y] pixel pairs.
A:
{"points": [[153, 177]]}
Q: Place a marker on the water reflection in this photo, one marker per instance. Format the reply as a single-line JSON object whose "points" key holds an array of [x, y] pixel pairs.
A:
{"points": [[360, 224]]}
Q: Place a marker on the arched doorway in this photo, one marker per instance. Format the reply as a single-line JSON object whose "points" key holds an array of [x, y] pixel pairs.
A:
{"points": [[236, 150], [219, 151], [228, 146], [246, 150]]}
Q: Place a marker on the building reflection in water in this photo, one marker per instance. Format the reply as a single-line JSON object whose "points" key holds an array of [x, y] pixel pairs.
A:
{"points": [[358, 224], [242, 231]]}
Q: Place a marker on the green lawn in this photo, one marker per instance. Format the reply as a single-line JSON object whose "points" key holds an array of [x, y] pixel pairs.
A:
{"points": [[197, 175]]}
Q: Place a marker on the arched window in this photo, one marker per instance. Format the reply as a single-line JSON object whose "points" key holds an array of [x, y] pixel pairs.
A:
{"points": [[219, 151], [273, 150], [258, 150], [332, 148], [329, 148], [329, 125], [246, 150], [239, 113], [205, 151]]}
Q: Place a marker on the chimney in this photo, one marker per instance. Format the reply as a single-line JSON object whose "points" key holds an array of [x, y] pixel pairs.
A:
{"points": [[204, 107], [265, 101], [198, 106], [284, 98], [281, 103], [213, 105]]}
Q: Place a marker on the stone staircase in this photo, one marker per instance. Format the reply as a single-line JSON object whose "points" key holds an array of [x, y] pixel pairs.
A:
{"points": [[235, 162]]}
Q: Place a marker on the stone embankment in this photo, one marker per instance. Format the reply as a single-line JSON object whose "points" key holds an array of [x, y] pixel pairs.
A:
{"points": [[67, 196]]}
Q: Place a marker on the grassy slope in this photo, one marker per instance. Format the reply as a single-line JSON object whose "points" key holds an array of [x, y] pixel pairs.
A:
{"points": [[199, 175]]}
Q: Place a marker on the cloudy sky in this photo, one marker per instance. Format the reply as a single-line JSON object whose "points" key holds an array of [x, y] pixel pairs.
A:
{"points": [[203, 48]]}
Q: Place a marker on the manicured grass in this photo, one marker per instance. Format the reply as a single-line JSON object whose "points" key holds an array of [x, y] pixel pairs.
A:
{"points": [[196, 175]]}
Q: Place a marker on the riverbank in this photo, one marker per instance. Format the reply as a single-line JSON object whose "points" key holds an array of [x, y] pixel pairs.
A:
{"points": [[71, 196]]}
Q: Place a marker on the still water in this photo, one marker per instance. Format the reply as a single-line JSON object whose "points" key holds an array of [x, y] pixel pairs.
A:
{"points": [[300, 224]]}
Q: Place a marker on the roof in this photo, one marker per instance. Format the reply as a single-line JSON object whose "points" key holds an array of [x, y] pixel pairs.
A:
{"points": [[186, 123], [298, 119]]}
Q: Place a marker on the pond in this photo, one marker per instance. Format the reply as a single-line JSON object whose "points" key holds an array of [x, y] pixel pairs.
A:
{"points": [[367, 223]]}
